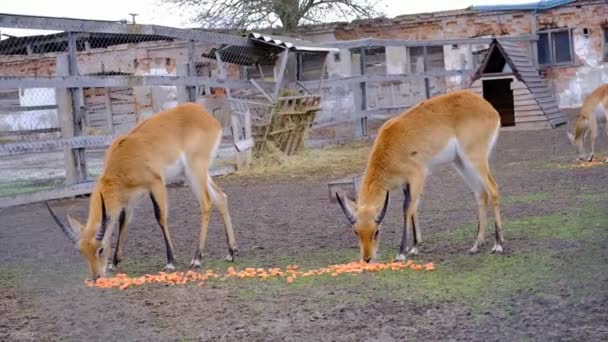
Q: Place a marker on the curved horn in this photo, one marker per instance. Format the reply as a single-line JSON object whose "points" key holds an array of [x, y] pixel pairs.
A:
{"points": [[72, 235], [383, 211], [348, 211], [104, 220]]}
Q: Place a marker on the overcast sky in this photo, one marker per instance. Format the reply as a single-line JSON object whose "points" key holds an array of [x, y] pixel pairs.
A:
{"points": [[152, 12]]}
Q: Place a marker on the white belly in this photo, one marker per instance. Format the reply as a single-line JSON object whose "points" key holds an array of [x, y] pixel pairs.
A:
{"points": [[447, 155], [600, 113], [176, 169]]}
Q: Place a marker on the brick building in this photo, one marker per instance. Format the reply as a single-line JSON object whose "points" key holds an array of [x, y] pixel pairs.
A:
{"points": [[571, 53]]}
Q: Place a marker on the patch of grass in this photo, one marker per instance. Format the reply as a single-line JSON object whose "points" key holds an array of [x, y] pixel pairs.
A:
{"points": [[526, 198], [332, 161], [572, 226], [597, 197]]}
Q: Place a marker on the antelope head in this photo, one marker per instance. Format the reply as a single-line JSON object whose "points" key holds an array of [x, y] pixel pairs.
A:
{"points": [[365, 221], [91, 246]]}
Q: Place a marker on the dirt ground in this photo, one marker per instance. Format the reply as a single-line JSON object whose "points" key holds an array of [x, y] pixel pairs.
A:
{"points": [[551, 283]]}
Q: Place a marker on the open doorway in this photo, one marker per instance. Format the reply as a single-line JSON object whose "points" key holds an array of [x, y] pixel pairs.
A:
{"points": [[498, 92]]}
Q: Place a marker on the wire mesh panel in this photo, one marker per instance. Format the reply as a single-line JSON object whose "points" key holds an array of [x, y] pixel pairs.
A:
{"points": [[64, 96]]}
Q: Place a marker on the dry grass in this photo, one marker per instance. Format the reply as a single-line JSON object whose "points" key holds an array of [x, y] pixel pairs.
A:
{"points": [[334, 161]]}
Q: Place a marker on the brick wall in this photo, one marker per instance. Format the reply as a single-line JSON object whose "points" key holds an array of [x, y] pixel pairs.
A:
{"points": [[570, 83]]}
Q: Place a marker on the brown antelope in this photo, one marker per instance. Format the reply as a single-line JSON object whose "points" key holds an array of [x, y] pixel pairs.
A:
{"points": [[140, 162], [460, 128], [592, 114]]}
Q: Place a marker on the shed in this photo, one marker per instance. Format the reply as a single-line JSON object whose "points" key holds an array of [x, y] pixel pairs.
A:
{"points": [[510, 81]]}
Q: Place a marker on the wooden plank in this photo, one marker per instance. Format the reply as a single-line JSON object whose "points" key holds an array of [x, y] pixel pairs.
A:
{"points": [[120, 119], [535, 118], [5, 109], [99, 26], [527, 107], [371, 42], [30, 131], [108, 110], [54, 145], [532, 125], [77, 190], [47, 195], [121, 81], [521, 103], [523, 97], [524, 113], [281, 73], [66, 122], [348, 186], [122, 108]]}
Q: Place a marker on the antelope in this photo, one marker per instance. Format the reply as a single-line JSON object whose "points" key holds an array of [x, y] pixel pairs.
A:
{"points": [[459, 128], [592, 114], [139, 162]]}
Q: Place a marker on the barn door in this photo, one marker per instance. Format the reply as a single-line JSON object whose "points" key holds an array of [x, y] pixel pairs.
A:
{"points": [[498, 92]]}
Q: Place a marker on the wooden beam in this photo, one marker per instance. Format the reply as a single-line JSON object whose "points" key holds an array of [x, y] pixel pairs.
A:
{"points": [[100, 26], [119, 81], [191, 90], [264, 93], [281, 74], [30, 131], [11, 109], [80, 163], [370, 42], [55, 144]]}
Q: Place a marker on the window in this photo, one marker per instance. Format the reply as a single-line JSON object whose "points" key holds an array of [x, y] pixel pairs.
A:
{"points": [[434, 55], [555, 47], [605, 30], [310, 66]]}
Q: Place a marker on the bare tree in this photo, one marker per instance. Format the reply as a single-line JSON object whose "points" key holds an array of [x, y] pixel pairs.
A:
{"points": [[246, 14]]}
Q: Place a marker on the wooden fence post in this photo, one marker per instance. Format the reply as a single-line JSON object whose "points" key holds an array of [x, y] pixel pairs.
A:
{"points": [[362, 124], [70, 117], [427, 81], [191, 71], [182, 91]]}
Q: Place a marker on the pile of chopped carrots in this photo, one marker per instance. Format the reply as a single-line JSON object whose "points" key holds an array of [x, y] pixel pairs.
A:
{"points": [[291, 273], [592, 163]]}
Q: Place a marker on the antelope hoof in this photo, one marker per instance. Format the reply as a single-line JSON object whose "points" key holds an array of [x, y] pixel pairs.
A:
{"points": [[497, 248], [169, 267], [590, 158], [400, 257], [474, 249], [230, 257], [413, 251], [195, 263]]}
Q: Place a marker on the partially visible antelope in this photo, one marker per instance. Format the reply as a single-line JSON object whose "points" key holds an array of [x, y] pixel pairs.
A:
{"points": [[139, 162], [459, 128], [593, 113]]}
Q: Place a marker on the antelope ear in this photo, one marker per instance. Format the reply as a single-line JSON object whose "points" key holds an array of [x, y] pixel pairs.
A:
{"points": [[75, 224], [349, 207]]}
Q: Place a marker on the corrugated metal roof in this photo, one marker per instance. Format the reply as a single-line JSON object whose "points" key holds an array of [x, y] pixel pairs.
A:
{"points": [[291, 43], [521, 64], [530, 6]]}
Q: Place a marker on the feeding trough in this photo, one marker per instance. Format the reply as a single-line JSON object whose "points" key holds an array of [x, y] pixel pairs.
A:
{"points": [[279, 114], [349, 186]]}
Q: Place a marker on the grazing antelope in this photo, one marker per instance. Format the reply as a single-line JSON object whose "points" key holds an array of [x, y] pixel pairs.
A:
{"points": [[460, 128], [140, 161], [592, 114]]}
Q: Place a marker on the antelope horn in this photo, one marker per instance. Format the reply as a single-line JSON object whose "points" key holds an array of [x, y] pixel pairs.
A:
{"points": [[71, 234], [104, 220], [383, 211]]}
